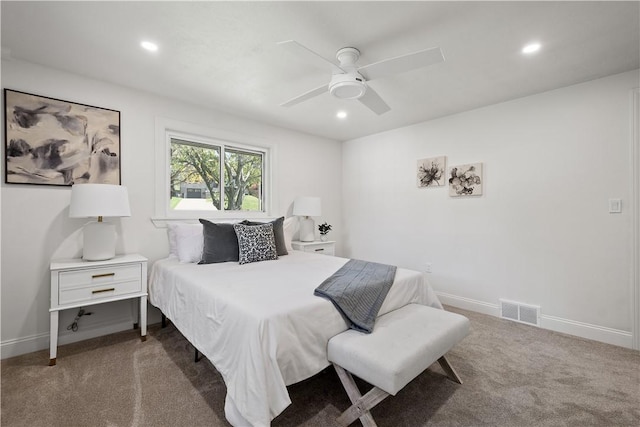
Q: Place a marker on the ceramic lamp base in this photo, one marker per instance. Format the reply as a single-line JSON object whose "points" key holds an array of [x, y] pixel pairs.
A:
{"points": [[99, 241], [307, 229]]}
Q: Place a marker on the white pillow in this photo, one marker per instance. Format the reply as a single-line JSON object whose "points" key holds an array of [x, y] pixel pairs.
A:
{"points": [[188, 241], [289, 227], [173, 244]]}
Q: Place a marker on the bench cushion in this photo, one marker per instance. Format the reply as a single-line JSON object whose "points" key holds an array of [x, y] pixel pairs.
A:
{"points": [[404, 343]]}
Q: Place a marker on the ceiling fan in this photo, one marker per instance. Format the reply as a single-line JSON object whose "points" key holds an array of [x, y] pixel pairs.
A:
{"points": [[349, 81]]}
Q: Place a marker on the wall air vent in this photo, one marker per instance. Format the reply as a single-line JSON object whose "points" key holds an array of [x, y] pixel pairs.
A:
{"points": [[518, 312]]}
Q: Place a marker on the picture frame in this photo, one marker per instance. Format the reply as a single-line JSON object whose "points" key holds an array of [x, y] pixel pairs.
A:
{"points": [[50, 141], [431, 172], [465, 180]]}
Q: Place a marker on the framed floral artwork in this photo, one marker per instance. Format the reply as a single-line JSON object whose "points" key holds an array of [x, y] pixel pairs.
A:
{"points": [[54, 142], [431, 172], [465, 180]]}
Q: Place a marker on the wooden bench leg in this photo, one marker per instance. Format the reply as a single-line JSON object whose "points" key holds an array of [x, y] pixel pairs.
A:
{"points": [[448, 369], [360, 404]]}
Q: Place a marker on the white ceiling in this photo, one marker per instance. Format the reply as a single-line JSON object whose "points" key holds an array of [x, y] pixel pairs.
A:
{"points": [[223, 55]]}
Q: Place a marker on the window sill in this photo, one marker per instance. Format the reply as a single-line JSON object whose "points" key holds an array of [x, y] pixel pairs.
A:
{"points": [[162, 222]]}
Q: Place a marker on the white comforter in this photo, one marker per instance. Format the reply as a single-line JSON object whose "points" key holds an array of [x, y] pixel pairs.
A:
{"points": [[260, 324]]}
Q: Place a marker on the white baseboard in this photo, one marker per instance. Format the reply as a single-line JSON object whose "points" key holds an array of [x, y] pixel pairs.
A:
{"points": [[469, 304], [552, 323], [587, 330], [24, 345]]}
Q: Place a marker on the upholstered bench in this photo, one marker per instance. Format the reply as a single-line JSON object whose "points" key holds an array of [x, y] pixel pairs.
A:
{"points": [[402, 345]]}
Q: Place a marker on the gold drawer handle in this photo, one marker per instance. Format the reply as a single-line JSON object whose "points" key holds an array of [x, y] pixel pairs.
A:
{"points": [[95, 276], [98, 291], [319, 250]]}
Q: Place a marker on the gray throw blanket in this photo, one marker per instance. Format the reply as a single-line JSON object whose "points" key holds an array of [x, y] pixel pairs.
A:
{"points": [[357, 290]]}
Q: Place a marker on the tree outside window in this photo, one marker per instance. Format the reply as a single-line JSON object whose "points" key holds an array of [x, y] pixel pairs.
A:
{"points": [[198, 180]]}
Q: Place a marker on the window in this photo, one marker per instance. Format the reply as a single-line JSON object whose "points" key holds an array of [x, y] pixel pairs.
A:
{"points": [[209, 177], [200, 181]]}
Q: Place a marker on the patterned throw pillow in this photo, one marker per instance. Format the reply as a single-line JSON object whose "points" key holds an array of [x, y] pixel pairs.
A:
{"points": [[278, 233], [256, 243]]}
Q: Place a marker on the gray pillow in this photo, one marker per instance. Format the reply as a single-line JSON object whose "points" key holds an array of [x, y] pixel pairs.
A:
{"points": [[278, 233], [256, 242], [220, 242]]}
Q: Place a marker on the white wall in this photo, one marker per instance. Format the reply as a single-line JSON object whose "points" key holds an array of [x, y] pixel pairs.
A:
{"points": [[35, 223], [541, 232]]}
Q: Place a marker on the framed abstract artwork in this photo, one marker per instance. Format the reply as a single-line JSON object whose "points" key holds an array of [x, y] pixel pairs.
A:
{"points": [[430, 172], [465, 180], [54, 142]]}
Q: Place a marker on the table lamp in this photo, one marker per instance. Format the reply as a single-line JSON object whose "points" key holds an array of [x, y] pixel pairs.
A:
{"points": [[307, 207], [99, 200]]}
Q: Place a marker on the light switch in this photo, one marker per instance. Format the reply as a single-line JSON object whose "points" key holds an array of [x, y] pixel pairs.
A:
{"points": [[615, 205]]}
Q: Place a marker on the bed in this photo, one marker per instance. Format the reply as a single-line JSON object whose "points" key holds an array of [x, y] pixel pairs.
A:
{"points": [[260, 324]]}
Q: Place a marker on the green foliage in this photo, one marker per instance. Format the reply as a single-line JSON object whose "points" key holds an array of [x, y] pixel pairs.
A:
{"points": [[174, 202], [250, 203], [194, 164], [242, 172]]}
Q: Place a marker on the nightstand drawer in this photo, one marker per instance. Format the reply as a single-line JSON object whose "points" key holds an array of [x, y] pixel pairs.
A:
{"points": [[96, 292], [98, 276], [96, 283], [320, 248]]}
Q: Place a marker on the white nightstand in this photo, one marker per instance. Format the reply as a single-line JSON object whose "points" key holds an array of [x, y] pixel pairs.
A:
{"points": [[318, 247], [78, 283]]}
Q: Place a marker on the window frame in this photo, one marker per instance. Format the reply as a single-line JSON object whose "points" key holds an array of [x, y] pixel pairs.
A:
{"points": [[167, 129]]}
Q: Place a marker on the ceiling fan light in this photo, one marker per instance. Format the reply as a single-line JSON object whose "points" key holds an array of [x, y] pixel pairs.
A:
{"points": [[348, 90], [347, 86]]}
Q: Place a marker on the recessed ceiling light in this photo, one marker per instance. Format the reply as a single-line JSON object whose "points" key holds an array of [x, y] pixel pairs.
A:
{"points": [[341, 114], [151, 47], [531, 48]]}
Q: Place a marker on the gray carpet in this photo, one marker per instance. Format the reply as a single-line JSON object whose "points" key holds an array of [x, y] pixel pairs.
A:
{"points": [[514, 375]]}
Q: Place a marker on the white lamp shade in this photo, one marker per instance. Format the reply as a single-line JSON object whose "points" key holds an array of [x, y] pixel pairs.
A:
{"points": [[306, 206], [96, 200]]}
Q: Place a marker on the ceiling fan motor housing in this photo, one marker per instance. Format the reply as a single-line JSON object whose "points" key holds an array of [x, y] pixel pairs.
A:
{"points": [[350, 85], [347, 86]]}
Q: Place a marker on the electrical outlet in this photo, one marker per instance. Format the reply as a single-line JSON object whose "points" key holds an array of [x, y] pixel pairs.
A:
{"points": [[615, 205], [427, 267]]}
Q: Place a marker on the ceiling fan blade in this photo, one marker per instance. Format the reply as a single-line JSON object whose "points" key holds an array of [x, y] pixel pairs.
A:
{"points": [[307, 95], [309, 56], [401, 64], [372, 101]]}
